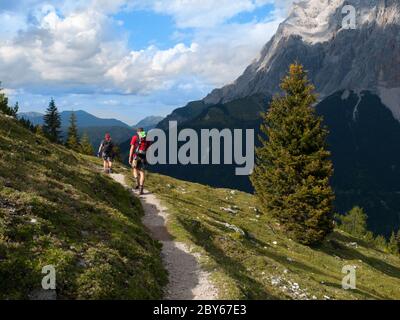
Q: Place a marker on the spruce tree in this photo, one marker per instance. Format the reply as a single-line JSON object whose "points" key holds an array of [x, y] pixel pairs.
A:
{"points": [[293, 169], [393, 245], [398, 239], [39, 130], [27, 124], [85, 146], [15, 110], [73, 137], [52, 122], [4, 108], [354, 222], [380, 242], [117, 153], [3, 101]]}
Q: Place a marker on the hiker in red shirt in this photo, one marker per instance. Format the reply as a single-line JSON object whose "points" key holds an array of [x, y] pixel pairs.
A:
{"points": [[137, 157]]}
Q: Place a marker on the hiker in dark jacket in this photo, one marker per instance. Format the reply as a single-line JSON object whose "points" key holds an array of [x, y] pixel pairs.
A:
{"points": [[106, 151]]}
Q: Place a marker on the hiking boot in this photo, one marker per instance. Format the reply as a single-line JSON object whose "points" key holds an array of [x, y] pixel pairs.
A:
{"points": [[137, 184], [141, 190]]}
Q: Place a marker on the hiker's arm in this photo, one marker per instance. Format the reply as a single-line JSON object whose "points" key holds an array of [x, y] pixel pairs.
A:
{"points": [[131, 153], [100, 149]]}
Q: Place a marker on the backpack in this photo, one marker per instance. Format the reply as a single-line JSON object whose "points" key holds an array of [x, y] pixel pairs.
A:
{"points": [[108, 147], [142, 145]]}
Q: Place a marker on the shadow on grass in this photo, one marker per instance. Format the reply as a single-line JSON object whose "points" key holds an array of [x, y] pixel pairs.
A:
{"points": [[77, 210], [334, 247], [265, 249], [359, 291], [250, 288]]}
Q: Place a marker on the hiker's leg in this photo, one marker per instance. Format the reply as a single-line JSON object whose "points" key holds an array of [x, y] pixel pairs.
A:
{"points": [[136, 177], [141, 181], [105, 165], [110, 164], [142, 177]]}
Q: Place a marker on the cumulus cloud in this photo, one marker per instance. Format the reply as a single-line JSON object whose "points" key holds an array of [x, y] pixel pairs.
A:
{"points": [[72, 46], [205, 13]]}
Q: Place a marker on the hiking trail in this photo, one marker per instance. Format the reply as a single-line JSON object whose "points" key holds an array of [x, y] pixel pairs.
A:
{"points": [[187, 281]]}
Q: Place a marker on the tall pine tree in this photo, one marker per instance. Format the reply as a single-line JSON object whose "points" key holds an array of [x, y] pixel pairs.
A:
{"points": [[293, 169], [73, 137], [52, 122]]}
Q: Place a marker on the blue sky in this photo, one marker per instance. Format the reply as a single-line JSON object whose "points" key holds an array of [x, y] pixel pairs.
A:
{"points": [[128, 59]]}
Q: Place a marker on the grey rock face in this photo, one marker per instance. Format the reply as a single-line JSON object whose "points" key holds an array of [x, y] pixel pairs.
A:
{"points": [[366, 58]]}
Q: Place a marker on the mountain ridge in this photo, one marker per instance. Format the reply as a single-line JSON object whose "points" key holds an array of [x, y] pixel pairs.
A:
{"points": [[341, 59], [84, 119], [148, 123], [335, 58]]}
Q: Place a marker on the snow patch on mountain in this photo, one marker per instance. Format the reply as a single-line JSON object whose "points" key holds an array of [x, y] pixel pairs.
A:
{"points": [[312, 20]]}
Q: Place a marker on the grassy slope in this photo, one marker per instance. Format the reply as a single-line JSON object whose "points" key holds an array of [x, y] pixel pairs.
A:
{"points": [[265, 264], [56, 209]]}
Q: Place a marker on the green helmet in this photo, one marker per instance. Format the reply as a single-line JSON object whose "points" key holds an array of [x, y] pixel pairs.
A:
{"points": [[142, 134]]}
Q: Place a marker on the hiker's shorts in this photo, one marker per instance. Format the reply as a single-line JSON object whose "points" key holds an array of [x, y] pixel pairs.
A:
{"points": [[139, 162], [107, 157]]}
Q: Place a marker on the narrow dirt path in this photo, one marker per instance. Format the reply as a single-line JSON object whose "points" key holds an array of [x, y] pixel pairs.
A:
{"points": [[186, 279]]}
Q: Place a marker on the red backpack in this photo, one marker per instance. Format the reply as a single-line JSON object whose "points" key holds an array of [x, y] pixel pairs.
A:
{"points": [[142, 146]]}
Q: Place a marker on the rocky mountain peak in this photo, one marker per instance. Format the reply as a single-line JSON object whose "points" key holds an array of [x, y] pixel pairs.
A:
{"points": [[364, 58]]}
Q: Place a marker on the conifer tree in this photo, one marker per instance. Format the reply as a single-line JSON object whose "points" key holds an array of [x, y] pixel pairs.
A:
{"points": [[354, 222], [27, 124], [39, 130], [14, 110], [3, 101], [293, 169], [393, 245], [117, 153], [73, 137], [52, 122], [86, 146], [398, 238], [380, 242], [10, 111]]}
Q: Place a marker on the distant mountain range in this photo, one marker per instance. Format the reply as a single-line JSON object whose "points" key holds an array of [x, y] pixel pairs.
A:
{"points": [[148, 123], [84, 119], [96, 127], [357, 76]]}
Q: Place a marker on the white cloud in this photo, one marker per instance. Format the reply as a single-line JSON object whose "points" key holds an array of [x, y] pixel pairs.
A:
{"points": [[71, 46], [205, 13]]}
